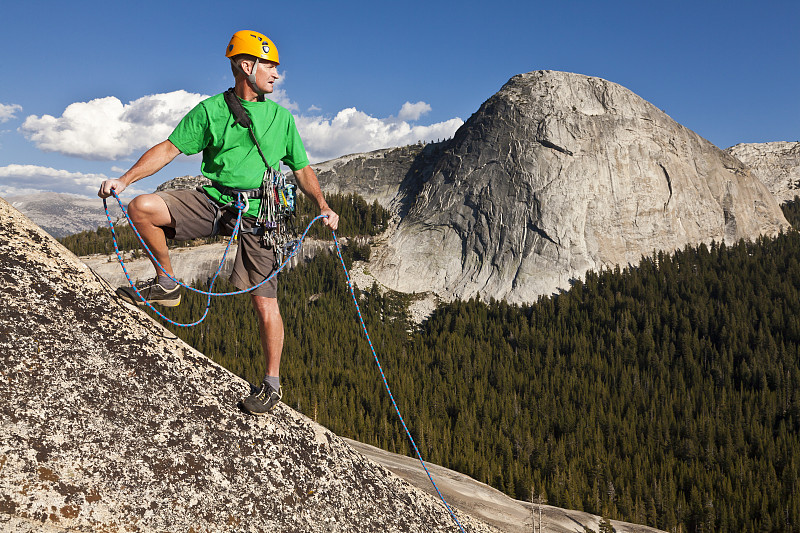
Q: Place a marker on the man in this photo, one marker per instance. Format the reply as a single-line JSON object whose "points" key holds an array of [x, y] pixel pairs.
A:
{"points": [[232, 159]]}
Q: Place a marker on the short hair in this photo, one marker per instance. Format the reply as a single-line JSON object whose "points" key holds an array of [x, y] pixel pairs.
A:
{"points": [[236, 64]]}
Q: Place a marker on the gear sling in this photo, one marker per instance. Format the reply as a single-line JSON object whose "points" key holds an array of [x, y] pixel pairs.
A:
{"points": [[276, 195]]}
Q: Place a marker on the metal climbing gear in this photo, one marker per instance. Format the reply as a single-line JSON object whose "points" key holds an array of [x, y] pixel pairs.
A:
{"points": [[276, 212]]}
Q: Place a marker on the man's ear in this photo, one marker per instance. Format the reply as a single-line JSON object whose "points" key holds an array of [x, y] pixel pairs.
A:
{"points": [[247, 66]]}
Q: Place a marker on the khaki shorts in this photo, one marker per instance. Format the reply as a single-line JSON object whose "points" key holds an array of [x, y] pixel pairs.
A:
{"points": [[194, 218]]}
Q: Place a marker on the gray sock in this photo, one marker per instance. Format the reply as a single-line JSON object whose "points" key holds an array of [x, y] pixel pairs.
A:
{"points": [[167, 283], [274, 382]]}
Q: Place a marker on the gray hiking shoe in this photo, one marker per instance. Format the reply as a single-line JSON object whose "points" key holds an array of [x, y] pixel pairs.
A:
{"points": [[153, 292], [263, 400]]}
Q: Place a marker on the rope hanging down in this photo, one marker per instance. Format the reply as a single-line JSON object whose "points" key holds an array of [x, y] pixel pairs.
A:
{"points": [[241, 206]]}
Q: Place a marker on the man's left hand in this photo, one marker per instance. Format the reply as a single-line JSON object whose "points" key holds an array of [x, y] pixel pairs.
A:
{"points": [[331, 219]]}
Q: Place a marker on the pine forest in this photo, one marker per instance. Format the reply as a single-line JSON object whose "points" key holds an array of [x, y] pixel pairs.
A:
{"points": [[665, 394]]}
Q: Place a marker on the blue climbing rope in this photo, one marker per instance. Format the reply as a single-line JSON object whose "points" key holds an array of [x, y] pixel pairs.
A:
{"points": [[240, 205], [386, 384]]}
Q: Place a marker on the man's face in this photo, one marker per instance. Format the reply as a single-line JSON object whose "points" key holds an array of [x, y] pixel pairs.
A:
{"points": [[266, 75]]}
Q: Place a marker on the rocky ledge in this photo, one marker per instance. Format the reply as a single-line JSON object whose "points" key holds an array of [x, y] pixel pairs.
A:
{"points": [[110, 423]]}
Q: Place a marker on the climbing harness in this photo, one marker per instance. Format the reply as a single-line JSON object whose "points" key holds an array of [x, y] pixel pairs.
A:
{"points": [[241, 204], [275, 215]]}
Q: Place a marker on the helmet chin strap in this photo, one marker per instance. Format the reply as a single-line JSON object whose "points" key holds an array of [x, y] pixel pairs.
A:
{"points": [[252, 79]]}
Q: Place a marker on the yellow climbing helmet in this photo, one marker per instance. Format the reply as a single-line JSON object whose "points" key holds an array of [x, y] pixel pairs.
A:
{"points": [[254, 44]]}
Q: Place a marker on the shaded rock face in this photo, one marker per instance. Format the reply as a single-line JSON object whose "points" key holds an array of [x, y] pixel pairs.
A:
{"points": [[110, 423], [777, 164], [391, 176], [560, 173]]}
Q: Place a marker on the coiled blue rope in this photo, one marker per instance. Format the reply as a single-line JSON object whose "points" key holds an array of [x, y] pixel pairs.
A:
{"points": [[241, 207]]}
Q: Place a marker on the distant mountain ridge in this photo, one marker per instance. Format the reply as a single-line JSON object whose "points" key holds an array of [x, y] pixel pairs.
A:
{"points": [[184, 182], [391, 176], [64, 214]]}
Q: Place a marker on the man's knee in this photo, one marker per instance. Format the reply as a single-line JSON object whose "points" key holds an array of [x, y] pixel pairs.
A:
{"points": [[267, 308], [151, 208]]}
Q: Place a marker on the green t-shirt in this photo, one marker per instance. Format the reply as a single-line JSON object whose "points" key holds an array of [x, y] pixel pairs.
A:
{"points": [[230, 158]]}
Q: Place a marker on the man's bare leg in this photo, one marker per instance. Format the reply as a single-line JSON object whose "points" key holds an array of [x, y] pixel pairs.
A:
{"points": [[270, 326], [150, 215]]}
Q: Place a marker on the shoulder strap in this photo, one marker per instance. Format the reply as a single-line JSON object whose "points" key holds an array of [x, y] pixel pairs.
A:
{"points": [[237, 109], [240, 116]]}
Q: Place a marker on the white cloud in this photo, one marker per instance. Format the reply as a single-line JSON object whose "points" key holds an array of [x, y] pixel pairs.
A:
{"points": [[107, 129], [28, 179], [8, 111], [411, 111], [352, 131]]}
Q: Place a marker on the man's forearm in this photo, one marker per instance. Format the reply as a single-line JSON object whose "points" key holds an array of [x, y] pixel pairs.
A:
{"points": [[151, 162], [308, 183]]}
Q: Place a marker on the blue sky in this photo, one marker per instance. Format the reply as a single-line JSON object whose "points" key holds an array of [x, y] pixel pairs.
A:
{"points": [[88, 86]]}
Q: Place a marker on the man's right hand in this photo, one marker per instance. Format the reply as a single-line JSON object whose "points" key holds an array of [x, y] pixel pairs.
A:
{"points": [[111, 185]]}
